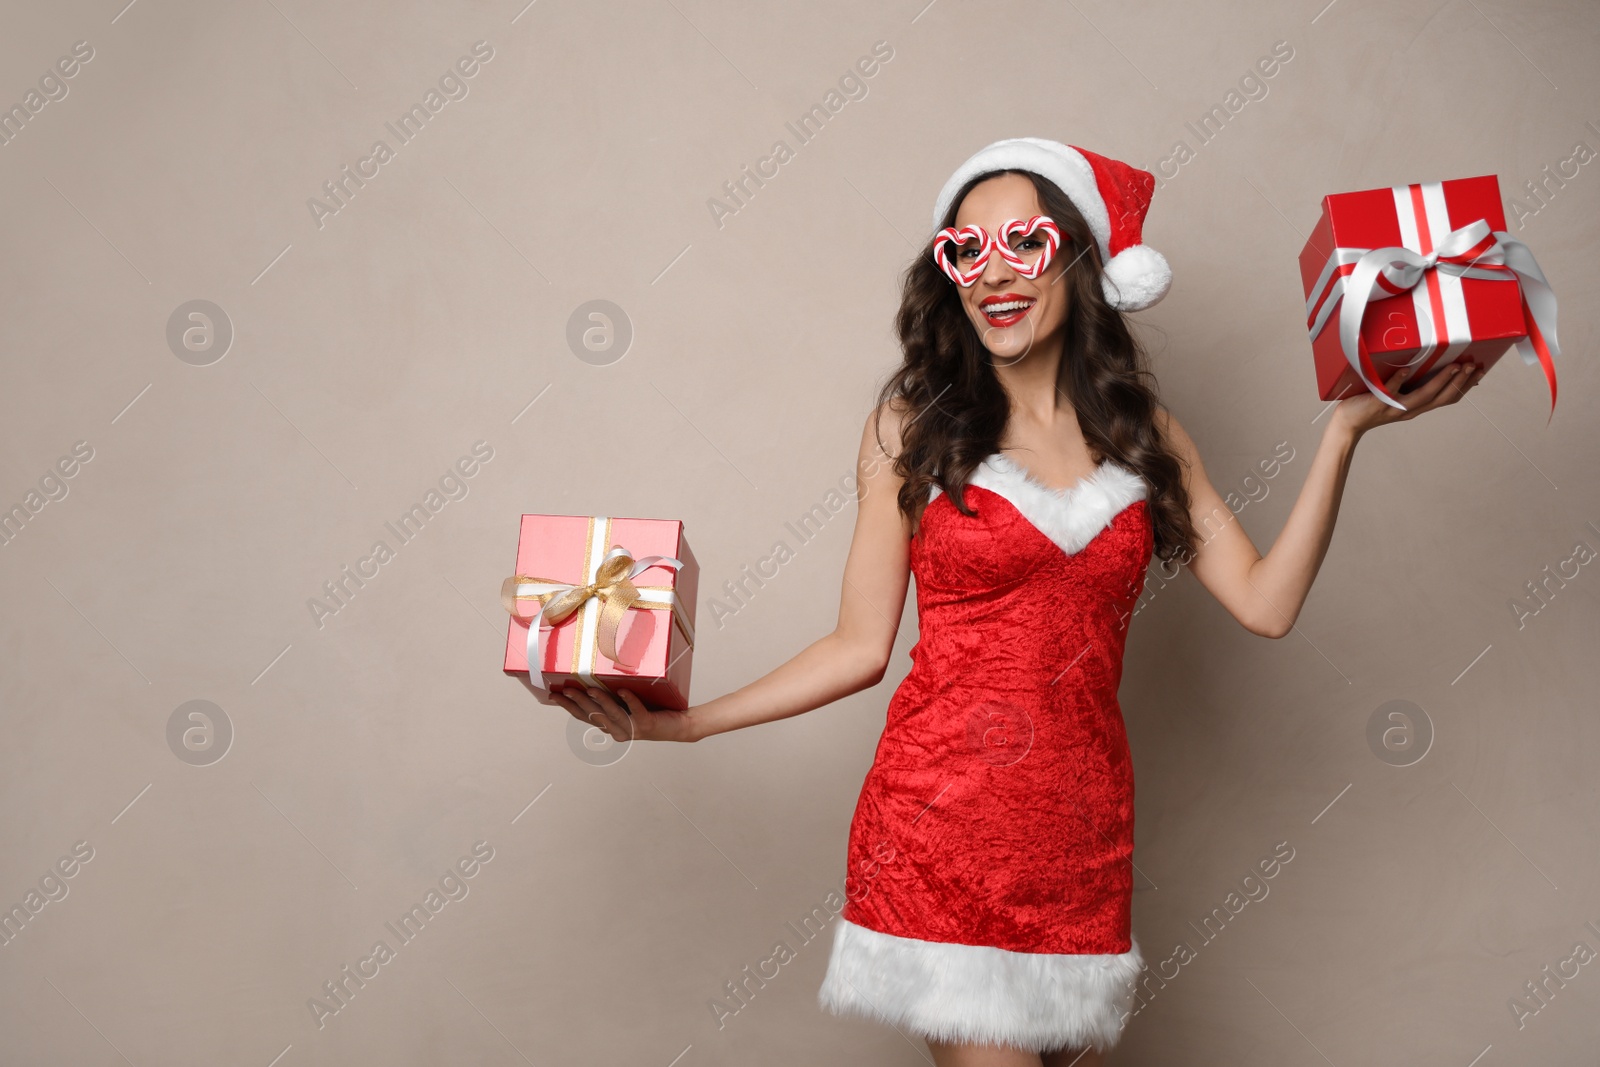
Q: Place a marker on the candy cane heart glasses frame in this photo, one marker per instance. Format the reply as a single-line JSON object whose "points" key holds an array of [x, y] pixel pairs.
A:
{"points": [[1030, 263]]}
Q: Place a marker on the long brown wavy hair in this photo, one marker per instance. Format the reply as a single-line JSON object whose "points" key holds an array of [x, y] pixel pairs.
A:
{"points": [[956, 409]]}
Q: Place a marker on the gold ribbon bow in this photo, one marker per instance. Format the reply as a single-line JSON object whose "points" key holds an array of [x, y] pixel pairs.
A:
{"points": [[613, 584]]}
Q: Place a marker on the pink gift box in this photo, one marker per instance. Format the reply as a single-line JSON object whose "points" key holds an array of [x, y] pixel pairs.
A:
{"points": [[656, 643]]}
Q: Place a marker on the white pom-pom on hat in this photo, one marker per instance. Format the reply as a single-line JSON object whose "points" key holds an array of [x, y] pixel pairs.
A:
{"points": [[1136, 277], [1112, 196]]}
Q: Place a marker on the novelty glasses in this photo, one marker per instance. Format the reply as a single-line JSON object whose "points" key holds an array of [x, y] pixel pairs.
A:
{"points": [[1028, 246]]}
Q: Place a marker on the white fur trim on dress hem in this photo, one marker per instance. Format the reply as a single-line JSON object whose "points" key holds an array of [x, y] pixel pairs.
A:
{"points": [[978, 994]]}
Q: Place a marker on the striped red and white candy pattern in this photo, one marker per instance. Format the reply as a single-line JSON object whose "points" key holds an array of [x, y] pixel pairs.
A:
{"points": [[989, 244]]}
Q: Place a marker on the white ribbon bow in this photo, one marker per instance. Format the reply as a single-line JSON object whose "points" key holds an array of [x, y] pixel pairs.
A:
{"points": [[1472, 251]]}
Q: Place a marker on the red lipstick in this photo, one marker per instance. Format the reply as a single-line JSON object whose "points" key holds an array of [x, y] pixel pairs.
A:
{"points": [[1006, 309]]}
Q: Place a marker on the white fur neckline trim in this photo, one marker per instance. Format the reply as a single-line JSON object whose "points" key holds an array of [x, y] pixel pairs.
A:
{"points": [[1070, 517], [980, 994]]}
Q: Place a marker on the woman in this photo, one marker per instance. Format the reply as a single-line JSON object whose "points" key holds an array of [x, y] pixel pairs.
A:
{"points": [[1020, 465]]}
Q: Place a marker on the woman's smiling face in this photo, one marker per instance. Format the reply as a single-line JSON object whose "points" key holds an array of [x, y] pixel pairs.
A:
{"points": [[1011, 313]]}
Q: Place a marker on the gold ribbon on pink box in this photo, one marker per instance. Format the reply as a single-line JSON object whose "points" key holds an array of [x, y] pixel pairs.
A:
{"points": [[603, 597], [1430, 265]]}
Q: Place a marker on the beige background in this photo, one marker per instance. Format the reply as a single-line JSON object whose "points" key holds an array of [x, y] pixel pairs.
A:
{"points": [[370, 754]]}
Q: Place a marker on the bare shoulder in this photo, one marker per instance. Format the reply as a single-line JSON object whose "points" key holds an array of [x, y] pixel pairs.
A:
{"points": [[1177, 440], [882, 434], [1173, 433]]}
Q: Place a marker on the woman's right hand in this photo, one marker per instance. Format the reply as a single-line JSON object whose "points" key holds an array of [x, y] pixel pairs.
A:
{"points": [[629, 720]]}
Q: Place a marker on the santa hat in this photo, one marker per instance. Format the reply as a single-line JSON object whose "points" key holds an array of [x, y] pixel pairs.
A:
{"points": [[1112, 197]]}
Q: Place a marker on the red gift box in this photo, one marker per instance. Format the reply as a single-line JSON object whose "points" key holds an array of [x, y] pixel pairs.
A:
{"points": [[1420, 274], [629, 583]]}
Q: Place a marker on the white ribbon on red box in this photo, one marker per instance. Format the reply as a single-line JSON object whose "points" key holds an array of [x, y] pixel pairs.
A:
{"points": [[1440, 257]]}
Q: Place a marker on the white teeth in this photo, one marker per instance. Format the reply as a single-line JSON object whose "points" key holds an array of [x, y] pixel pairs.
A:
{"points": [[1013, 305]]}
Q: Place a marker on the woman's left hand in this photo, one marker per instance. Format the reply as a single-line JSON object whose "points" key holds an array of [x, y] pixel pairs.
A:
{"points": [[1361, 413], [629, 720]]}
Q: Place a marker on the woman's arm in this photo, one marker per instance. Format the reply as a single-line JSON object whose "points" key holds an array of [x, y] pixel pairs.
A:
{"points": [[1265, 593], [851, 658]]}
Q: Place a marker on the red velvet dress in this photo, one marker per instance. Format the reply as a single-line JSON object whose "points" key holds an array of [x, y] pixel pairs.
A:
{"points": [[990, 877]]}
